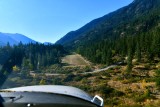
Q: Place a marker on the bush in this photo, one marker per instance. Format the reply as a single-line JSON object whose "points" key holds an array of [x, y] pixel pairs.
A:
{"points": [[146, 95], [57, 81], [109, 92], [158, 72], [87, 75], [147, 66], [105, 91], [87, 69], [69, 78], [135, 105], [78, 78], [158, 81], [158, 77]]}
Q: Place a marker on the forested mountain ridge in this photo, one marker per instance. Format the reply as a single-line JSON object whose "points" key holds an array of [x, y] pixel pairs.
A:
{"points": [[139, 16], [14, 39], [73, 35]]}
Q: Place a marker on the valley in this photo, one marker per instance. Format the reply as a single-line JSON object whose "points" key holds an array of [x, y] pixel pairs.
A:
{"points": [[139, 88], [116, 56]]}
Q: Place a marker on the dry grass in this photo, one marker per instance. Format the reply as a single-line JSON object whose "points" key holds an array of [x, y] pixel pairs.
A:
{"points": [[75, 60]]}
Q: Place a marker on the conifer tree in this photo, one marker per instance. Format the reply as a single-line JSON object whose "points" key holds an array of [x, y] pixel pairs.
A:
{"points": [[138, 52], [129, 59]]}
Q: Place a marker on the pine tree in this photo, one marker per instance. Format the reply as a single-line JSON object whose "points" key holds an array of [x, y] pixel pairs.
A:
{"points": [[109, 57], [138, 52], [129, 59]]}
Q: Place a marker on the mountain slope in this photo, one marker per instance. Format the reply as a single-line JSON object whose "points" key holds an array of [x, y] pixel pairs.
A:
{"points": [[21, 38], [139, 16], [73, 35], [4, 39], [14, 39]]}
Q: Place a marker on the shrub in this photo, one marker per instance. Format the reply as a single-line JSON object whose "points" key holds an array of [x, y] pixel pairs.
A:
{"points": [[135, 105], [146, 95], [87, 75], [78, 78], [57, 81], [158, 72], [147, 66], [109, 92], [69, 78], [158, 81]]}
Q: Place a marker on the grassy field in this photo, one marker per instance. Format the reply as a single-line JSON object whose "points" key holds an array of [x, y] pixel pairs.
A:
{"points": [[75, 60]]}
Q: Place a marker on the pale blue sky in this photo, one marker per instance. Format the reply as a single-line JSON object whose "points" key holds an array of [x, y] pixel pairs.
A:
{"points": [[49, 20]]}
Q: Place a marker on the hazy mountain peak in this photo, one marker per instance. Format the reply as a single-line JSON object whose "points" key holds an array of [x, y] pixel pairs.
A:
{"points": [[14, 39], [48, 43]]}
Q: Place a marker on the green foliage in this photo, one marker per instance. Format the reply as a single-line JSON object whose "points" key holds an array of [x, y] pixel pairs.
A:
{"points": [[134, 105], [147, 66], [129, 58], [42, 82], [141, 98], [69, 78], [106, 51], [140, 16], [157, 80], [138, 52], [109, 92], [78, 78], [57, 81], [16, 68], [158, 73], [28, 57], [87, 69], [87, 75], [103, 39], [32, 56]]}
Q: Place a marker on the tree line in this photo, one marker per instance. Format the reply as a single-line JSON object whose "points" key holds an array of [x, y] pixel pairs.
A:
{"points": [[112, 50], [28, 57]]}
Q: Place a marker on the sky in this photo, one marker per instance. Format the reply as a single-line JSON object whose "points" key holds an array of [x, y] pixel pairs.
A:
{"points": [[49, 20]]}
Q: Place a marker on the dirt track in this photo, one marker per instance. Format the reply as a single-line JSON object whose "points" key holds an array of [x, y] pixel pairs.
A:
{"points": [[75, 60]]}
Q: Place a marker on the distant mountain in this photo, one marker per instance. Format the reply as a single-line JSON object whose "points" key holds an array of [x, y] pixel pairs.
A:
{"points": [[139, 16], [4, 39], [48, 43], [21, 38], [14, 39]]}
